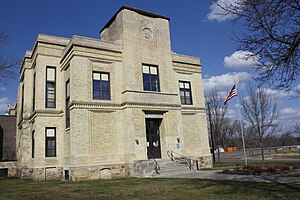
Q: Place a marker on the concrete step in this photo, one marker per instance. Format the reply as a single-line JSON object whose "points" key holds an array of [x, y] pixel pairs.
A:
{"points": [[169, 167], [173, 169], [170, 174]]}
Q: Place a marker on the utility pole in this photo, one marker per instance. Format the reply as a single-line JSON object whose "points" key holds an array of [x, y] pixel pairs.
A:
{"points": [[211, 132]]}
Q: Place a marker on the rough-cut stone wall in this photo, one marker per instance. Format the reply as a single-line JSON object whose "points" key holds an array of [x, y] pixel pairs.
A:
{"points": [[11, 166], [143, 168]]}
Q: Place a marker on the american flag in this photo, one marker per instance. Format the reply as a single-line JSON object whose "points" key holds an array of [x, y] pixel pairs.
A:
{"points": [[231, 94]]}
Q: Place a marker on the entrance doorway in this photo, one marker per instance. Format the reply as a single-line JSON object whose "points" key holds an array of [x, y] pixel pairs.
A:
{"points": [[153, 139]]}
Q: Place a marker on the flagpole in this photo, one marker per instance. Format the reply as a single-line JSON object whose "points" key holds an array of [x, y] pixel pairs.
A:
{"points": [[242, 132]]}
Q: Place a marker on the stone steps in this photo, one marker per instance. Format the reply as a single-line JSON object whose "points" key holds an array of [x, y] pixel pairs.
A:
{"points": [[169, 167]]}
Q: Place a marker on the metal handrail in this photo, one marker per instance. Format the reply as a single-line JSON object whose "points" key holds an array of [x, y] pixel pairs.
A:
{"points": [[156, 165], [188, 161]]}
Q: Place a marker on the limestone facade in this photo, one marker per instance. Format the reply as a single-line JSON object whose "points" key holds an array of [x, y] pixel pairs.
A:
{"points": [[141, 109]]}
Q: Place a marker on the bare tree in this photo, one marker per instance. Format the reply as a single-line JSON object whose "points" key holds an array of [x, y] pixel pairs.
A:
{"points": [[260, 111], [7, 63], [235, 128], [272, 33], [219, 122], [288, 139], [225, 132]]}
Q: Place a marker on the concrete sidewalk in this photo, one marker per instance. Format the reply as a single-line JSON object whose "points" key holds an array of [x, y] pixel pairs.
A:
{"points": [[215, 175]]}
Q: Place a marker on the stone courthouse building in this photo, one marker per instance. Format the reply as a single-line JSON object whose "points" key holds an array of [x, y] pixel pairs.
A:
{"points": [[101, 108]]}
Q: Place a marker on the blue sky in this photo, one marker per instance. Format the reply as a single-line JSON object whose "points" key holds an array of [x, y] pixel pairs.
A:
{"points": [[195, 31]]}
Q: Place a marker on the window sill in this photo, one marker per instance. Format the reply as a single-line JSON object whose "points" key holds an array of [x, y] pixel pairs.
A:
{"points": [[101, 99], [49, 158], [149, 92]]}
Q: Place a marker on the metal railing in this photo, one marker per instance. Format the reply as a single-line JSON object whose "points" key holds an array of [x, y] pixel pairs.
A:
{"points": [[188, 160], [156, 165]]}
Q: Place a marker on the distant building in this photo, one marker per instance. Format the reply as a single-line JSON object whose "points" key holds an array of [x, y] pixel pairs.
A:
{"points": [[8, 135], [91, 109]]}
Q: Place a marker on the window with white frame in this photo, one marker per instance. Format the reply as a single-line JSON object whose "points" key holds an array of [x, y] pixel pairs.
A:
{"points": [[185, 93], [51, 87], [101, 86], [150, 78], [50, 142]]}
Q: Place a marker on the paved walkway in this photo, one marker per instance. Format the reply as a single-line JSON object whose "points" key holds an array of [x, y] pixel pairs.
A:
{"points": [[215, 175]]}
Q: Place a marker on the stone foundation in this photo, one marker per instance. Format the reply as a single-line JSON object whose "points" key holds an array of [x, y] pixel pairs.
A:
{"points": [[142, 168], [78, 173], [108, 171], [139, 168], [11, 167]]}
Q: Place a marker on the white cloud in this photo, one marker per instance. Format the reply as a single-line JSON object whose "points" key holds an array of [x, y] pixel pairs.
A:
{"points": [[217, 13], [241, 59], [290, 111], [225, 81], [288, 117], [297, 87], [2, 88], [232, 114], [278, 93], [4, 101]]}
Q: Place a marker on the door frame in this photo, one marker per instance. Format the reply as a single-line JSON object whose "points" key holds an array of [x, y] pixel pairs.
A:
{"points": [[153, 152]]}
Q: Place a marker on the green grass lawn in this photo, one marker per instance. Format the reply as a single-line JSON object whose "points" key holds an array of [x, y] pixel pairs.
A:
{"points": [[133, 188]]}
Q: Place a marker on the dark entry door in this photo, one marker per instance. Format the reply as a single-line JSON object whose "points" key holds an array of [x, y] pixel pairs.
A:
{"points": [[153, 139]]}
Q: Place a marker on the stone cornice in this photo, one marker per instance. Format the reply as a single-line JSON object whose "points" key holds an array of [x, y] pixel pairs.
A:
{"points": [[185, 59], [192, 110], [151, 105], [45, 113], [90, 43], [104, 105], [93, 105], [44, 39], [139, 11], [186, 67]]}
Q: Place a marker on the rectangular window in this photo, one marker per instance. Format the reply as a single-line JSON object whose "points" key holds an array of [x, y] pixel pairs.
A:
{"points": [[68, 104], [51, 87], [185, 93], [50, 142], [150, 78], [101, 86], [33, 93], [32, 144], [22, 103]]}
